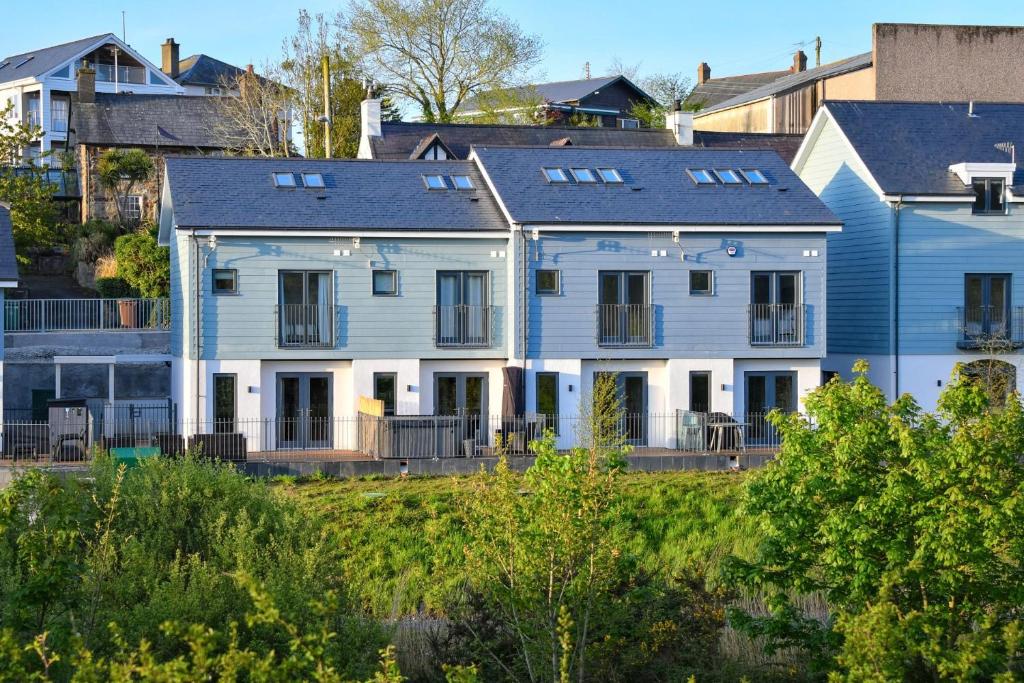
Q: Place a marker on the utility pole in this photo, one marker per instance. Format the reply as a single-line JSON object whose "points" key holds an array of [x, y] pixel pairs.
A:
{"points": [[817, 51], [586, 71], [325, 66]]}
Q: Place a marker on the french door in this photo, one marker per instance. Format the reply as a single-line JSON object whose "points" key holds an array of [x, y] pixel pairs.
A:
{"points": [[631, 389], [767, 391], [623, 310], [986, 306], [463, 394], [304, 410], [462, 309]]}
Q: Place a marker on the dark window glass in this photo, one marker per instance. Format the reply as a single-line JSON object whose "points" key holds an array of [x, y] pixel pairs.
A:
{"points": [[385, 389], [547, 399], [225, 281], [547, 281], [385, 282], [700, 392], [700, 282], [988, 195], [223, 404]]}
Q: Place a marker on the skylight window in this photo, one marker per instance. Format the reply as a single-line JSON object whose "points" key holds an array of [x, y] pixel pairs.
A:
{"points": [[24, 61], [610, 175], [754, 176], [701, 176], [434, 182], [583, 175], [728, 176], [284, 180], [556, 175], [462, 182], [314, 180], [7, 63]]}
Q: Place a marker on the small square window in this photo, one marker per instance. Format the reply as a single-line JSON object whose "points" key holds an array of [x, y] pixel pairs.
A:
{"points": [[462, 182], [701, 176], [314, 180], [988, 195], [754, 176], [610, 175], [629, 123], [700, 282], [583, 175], [284, 180], [225, 281], [435, 182], [728, 176], [547, 282], [556, 175], [385, 283]]}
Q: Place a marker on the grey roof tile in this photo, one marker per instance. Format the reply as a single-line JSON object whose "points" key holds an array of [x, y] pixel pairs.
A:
{"points": [[45, 59], [206, 71], [154, 121], [560, 92], [909, 146], [359, 194], [656, 191], [715, 90], [8, 260]]}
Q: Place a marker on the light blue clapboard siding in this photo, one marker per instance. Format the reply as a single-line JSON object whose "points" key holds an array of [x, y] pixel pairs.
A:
{"points": [[939, 244], [180, 278], [243, 325], [565, 326], [858, 259]]}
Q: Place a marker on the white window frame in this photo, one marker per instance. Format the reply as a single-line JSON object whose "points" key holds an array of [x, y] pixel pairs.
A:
{"points": [[561, 179], [128, 211], [633, 123], [610, 176], [580, 175]]}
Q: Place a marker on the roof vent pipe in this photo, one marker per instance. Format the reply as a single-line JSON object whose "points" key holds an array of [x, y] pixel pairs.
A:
{"points": [[970, 110]]}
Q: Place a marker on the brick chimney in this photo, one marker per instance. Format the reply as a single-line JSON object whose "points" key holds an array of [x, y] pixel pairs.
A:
{"points": [[169, 55], [703, 73], [86, 84], [799, 62]]}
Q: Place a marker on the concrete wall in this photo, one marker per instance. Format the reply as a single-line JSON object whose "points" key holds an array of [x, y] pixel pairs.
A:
{"points": [[922, 62], [755, 117], [856, 85]]}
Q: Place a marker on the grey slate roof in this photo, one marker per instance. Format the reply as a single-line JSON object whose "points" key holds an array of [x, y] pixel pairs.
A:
{"points": [[239, 192], [715, 90], [562, 92], [154, 121], [45, 59], [8, 261], [656, 191], [205, 70], [908, 147], [793, 81]]}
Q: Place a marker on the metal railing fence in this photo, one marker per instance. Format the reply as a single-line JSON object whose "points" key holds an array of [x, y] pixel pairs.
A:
{"points": [[81, 315], [995, 326], [462, 326], [305, 326], [777, 324], [624, 325]]}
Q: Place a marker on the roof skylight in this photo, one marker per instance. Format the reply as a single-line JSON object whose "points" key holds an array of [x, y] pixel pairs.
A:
{"points": [[754, 176], [314, 180], [435, 182], [5, 64], [24, 61], [462, 182], [701, 176], [555, 175], [284, 179], [610, 175], [583, 175], [728, 176]]}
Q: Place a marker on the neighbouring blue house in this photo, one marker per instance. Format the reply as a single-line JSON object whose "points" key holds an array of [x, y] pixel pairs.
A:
{"points": [[490, 287], [927, 272]]}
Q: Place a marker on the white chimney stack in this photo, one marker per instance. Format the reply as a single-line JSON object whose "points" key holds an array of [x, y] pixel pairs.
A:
{"points": [[369, 114], [681, 124]]}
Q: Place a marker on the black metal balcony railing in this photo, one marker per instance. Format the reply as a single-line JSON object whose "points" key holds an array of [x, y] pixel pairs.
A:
{"points": [[462, 326], [305, 326], [777, 324], [996, 327], [624, 325]]}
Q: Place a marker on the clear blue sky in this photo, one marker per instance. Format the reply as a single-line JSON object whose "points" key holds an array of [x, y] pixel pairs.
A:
{"points": [[737, 36]]}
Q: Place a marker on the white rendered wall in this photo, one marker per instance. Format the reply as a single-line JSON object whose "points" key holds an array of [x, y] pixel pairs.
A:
{"points": [[408, 390]]}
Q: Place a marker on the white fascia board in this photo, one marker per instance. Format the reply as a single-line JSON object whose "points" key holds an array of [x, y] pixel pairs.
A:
{"points": [[490, 185], [391, 234], [8, 284], [817, 124], [682, 228], [925, 198], [967, 171]]}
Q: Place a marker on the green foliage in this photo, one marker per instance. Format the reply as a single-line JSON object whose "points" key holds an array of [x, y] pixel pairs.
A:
{"points": [[120, 171], [95, 240], [114, 288], [908, 523], [143, 263]]}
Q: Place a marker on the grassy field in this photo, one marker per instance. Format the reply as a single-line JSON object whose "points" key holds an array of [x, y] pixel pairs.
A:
{"points": [[403, 540]]}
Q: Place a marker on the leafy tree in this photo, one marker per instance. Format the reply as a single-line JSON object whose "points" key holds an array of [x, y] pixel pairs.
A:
{"points": [[664, 88], [437, 53], [143, 263], [24, 187], [508, 106], [122, 170], [908, 523]]}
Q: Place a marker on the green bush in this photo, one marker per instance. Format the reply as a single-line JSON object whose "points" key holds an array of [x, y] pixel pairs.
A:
{"points": [[114, 288], [95, 239], [143, 263]]}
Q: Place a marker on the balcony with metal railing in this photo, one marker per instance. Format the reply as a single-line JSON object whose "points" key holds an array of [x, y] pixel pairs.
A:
{"points": [[86, 315], [305, 326], [625, 325], [462, 327], [991, 328], [777, 324]]}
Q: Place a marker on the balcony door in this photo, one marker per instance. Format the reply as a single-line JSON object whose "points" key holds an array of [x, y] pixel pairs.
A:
{"points": [[623, 310], [304, 410], [774, 308], [986, 306], [305, 306], [767, 391], [464, 395], [462, 318]]}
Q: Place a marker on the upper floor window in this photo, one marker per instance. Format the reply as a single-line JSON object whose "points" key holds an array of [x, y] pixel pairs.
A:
{"points": [[776, 314], [988, 195], [700, 282], [313, 180], [385, 283], [434, 182], [547, 282], [59, 115], [986, 313], [131, 208], [305, 309], [225, 281], [462, 314], [728, 176]]}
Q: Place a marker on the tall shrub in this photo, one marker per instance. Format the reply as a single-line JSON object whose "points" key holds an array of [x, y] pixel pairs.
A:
{"points": [[143, 263]]}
